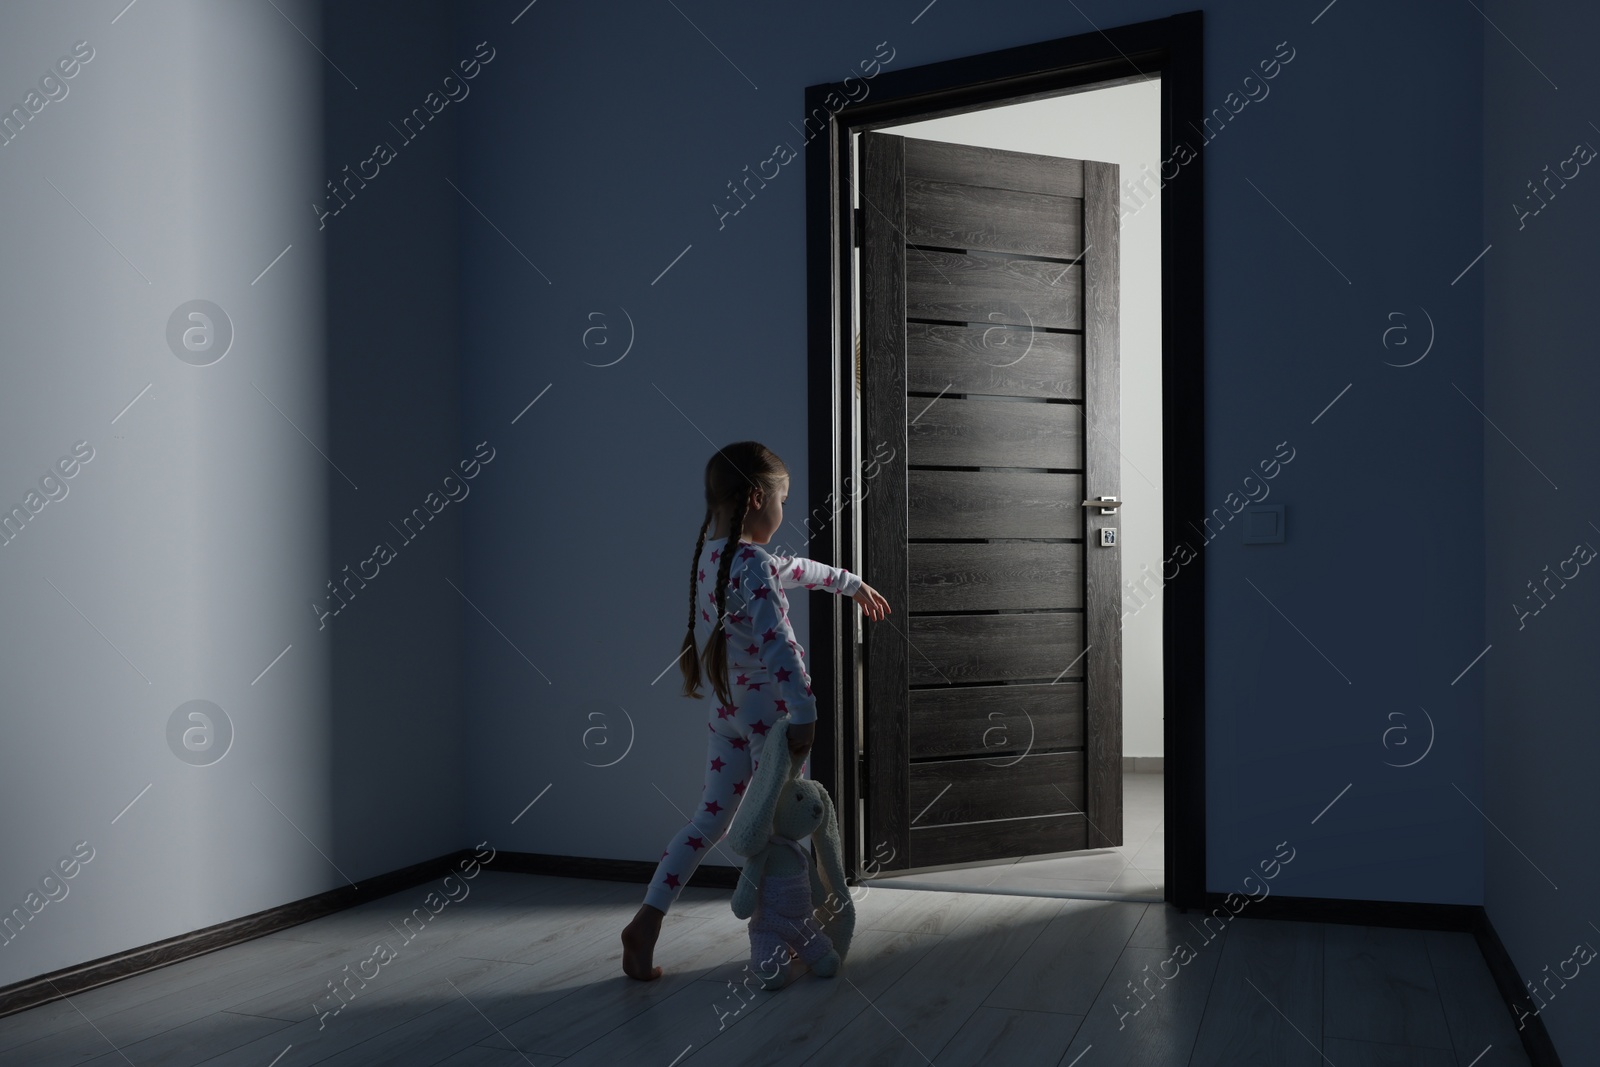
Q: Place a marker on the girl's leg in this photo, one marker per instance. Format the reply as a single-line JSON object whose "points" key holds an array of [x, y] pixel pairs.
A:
{"points": [[727, 773]]}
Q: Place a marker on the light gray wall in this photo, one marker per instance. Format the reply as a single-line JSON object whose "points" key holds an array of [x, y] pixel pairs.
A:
{"points": [[185, 556], [1119, 124], [1541, 488]]}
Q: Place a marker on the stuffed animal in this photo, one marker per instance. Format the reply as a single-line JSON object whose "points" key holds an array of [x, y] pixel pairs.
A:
{"points": [[796, 907]]}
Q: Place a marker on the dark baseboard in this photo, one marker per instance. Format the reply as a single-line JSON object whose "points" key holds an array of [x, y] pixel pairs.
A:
{"points": [[1410, 914], [55, 985], [1465, 918], [1535, 1038], [708, 875]]}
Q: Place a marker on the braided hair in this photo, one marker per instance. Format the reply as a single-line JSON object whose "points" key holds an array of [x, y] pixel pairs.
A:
{"points": [[731, 473]]}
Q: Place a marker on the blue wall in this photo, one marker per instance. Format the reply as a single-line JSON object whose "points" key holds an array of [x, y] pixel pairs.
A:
{"points": [[602, 141], [1541, 484]]}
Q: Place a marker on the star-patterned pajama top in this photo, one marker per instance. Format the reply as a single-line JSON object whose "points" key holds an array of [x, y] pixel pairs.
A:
{"points": [[762, 649], [767, 677]]}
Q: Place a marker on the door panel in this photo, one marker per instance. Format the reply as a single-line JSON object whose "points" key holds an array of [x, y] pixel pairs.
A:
{"points": [[989, 363], [965, 504], [993, 289], [992, 577], [1015, 647], [982, 720], [962, 791], [957, 432], [950, 215], [1006, 360]]}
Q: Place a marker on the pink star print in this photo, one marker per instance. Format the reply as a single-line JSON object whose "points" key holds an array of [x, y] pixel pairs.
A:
{"points": [[783, 674], [696, 843], [752, 650], [758, 728], [717, 764], [704, 616], [715, 553], [672, 881], [738, 789], [797, 571], [770, 635], [828, 580], [748, 553], [702, 574], [808, 689], [713, 807], [780, 706], [739, 743], [761, 594], [755, 687], [743, 679], [724, 712]]}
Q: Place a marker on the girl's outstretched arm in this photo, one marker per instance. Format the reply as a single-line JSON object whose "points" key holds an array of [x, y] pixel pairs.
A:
{"points": [[796, 571]]}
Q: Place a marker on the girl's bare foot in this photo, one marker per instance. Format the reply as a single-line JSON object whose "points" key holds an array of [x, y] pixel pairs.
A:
{"points": [[639, 943]]}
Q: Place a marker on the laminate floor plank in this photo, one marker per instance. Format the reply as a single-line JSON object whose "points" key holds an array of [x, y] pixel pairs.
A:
{"points": [[927, 1007], [1379, 988], [438, 1012], [139, 1008], [1164, 926], [922, 911], [792, 1024], [192, 1042], [504, 935], [36, 1024], [144, 1004], [1066, 966], [1347, 1053], [483, 1056], [1014, 1038], [1266, 998], [1140, 1020], [602, 998]]}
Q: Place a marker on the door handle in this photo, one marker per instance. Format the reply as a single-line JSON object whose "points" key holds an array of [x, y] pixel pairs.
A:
{"points": [[1106, 504]]}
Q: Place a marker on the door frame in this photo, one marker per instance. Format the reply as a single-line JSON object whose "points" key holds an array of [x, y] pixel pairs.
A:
{"points": [[1172, 47]]}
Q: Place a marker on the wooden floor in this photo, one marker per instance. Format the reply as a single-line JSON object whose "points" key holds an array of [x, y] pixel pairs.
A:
{"points": [[525, 970]]}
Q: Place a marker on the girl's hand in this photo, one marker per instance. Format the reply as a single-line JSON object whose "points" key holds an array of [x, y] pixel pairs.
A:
{"points": [[873, 605], [800, 738]]}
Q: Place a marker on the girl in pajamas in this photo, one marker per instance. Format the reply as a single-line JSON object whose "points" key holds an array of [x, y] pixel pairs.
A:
{"points": [[740, 639]]}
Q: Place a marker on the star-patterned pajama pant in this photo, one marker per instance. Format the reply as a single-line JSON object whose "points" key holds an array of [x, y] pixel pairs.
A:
{"points": [[733, 749]]}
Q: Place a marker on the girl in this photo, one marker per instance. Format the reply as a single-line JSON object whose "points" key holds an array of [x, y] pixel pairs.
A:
{"points": [[745, 635]]}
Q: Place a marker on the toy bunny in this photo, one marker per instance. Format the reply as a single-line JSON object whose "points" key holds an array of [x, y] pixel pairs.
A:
{"points": [[781, 891]]}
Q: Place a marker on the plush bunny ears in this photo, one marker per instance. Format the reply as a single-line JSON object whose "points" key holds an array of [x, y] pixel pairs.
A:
{"points": [[752, 823]]}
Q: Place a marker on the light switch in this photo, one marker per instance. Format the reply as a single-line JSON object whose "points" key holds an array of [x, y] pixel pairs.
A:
{"points": [[1263, 524]]}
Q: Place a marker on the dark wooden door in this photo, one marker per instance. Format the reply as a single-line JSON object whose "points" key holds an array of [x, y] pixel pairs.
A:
{"points": [[989, 364]]}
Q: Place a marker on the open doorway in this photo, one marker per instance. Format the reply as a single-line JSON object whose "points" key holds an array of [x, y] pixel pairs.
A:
{"points": [[1034, 651], [1034, 720]]}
